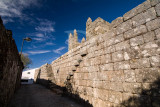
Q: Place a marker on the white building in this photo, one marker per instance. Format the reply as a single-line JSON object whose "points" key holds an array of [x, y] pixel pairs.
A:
{"points": [[28, 77]]}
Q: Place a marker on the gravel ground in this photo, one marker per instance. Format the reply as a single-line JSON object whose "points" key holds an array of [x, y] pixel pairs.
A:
{"points": [[38, 96]]}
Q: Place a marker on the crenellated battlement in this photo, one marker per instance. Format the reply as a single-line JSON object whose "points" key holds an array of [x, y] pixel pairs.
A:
{"points": [[99, 26], [73, 40]]}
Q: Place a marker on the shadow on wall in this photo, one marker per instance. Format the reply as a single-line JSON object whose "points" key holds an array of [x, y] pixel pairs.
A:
{"points": [[147, 98], [64, 91]]}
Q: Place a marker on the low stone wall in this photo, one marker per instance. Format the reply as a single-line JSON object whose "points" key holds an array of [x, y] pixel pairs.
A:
{"points": [[119, 67], [10, 66]]}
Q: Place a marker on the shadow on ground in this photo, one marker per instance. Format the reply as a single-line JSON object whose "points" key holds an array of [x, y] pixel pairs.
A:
{"points": [[64, 91], [149, 97]]}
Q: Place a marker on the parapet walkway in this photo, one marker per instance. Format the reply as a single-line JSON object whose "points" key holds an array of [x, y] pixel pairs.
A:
{"points": [[38, 96]]}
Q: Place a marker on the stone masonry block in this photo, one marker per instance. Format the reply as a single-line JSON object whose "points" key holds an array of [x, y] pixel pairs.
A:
{"points": [[87, 62], [158, 33], [126, 56], [102, 76], [122, 45], [124, 27], [154, 2], [98, 84], [95, 61], [149, 45], [147, 75], [99, 52], [116, 22], [117, 56], [89, 91], [158, 9], [136, 41], [140, 63], [109, 42], [109, 34], [152, 25], [118, 38], [155, 61], [121, 65], [135, 32], [134, 88], [106, 84], [105, 94], [132, 53], [142, 18], [149, 36], [115, 97], [129, 76], [149, 49], [115, 76], [109, 49], [145, 5], [106, 67], [116, 86], [106, 59], [101, 103], [130, 14]]}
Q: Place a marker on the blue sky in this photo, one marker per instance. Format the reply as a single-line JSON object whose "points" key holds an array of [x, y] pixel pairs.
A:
{"points": [[48, 22]]}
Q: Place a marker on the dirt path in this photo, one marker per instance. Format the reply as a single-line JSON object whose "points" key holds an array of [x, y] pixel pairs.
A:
{"points": [[38, 96]]}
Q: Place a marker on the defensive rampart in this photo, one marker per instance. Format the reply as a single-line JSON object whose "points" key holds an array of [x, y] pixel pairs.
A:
{"points": [[118, 64]]}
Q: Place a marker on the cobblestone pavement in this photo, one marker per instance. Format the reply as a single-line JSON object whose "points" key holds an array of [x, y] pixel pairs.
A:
{"points": [[38, 96]]}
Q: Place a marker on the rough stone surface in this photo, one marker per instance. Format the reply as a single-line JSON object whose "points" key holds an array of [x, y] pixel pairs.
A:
{"points": [[158, 33], [10, 66], [116, 22], [154, 24], [158, 9], [140, 8], [135, 32], [150, 36], [154, 2], [142, 18]]}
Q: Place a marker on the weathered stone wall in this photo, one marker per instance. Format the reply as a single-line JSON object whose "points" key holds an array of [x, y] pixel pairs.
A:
{"points": [[10, 66], [44, 74], [119, 67]]}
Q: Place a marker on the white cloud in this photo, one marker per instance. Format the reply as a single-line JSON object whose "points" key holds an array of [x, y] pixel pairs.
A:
{"points": [[7, 20], [38, 52], [49, 43], [14, 8], [39, 35], [58, 51], [38, 39], [45, 26]]}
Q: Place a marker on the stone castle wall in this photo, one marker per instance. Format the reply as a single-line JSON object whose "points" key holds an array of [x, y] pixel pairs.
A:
{"points": [[119, 67], [10, 66]]}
